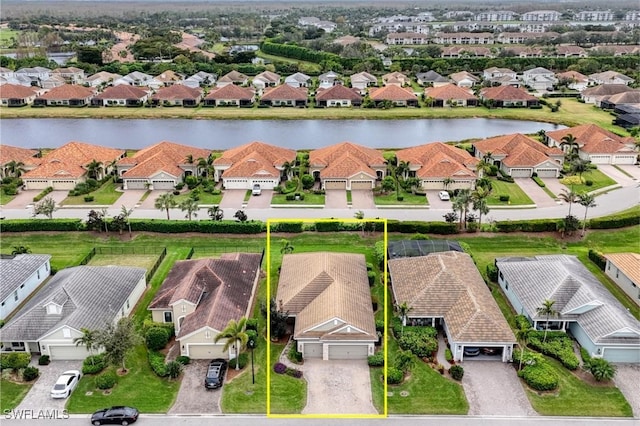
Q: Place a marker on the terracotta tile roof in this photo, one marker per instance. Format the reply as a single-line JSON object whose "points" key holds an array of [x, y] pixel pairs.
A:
{"points": [[230, 92], [519, 149], [594, 139], [392, 93], [25, 156], [323, 157], [252, 165], [285, 92], [628, 263], [573, 75], [275, 155], [221, 288], [122, 91], [177, 92], [449, 91], [346, 166], [338, 92], [437, 160], [570, 50], [506, 93], [68, 91], [319, 287], [70, 160], [234, 77], [448, 285], [16, 91], [395, 75], [164, 156], [459, 76]]}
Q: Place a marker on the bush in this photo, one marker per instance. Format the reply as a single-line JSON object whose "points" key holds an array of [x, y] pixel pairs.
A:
{"points": [[14, 360], [88, 198], [252, 324], [10, 190], [457, 372], [241, 361], [586, 358], [448, 355], [294, 355], [571, 180], [307, 181], [174, 368], [204, 226], [167, 326], [419, 343], [558, 345], [522, 323], [293, 372], [400, 198], [279, 368], [30, 373], [492, 272], [179, 186], [156, 338], [94, 364], [588, 182], [372, 278], [44, 360], [598, 258], [535, 225], [540, 376], [290, 227], [394, 375], [156, 361], [30, 225], [419, 236], [106, 380], [43, 194], [504, 198], [539, 181], [630, 218], [183, 359], [376, 360]]}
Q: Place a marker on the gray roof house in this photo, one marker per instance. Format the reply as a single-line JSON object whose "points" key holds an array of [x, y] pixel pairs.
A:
{"points": [[584, 306], [431, 77], [20, 275], [49, 322], [298, 80]]}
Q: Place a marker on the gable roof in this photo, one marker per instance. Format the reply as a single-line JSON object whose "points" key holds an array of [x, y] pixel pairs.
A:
{"points": [[610, 75], [320, 287], [338, 92], [221, 288], [437, 160], [630, 97], [449, 91], [16, 91], [448, 284], [234, 77], [168, 76], [122, 91], [628, 263], [273, 155], [392, 93], [573, 75], [103, 75], [177, 92], [230, 92], [594, 139], [565, 280], [538, 71], [67, 91], [83, 306], [25, 156], [298, 77], [520, 150], [163, 156], [15, 270], [285, 92], [462, 75], [364, 76], [506, 93], [324, 156], [432, 77], [269, 76], [606, 89]]}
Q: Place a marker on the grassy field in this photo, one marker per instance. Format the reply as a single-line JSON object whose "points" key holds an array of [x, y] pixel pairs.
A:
{"points": [[137, 260], [517, 196], [4, 198], [6, 36], [312, 66], [600, 180], [12, 393], [106, 195], [206, 198]]}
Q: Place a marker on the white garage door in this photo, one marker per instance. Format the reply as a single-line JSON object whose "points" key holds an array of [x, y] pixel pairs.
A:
{"points": [[163, 184], [66, 185], [236, 184], [547, 173], [600, 159], [361, 184], [206, 351], [67, 352], [347, 351], [335, 184], [622, 355], [520, 173], [624, 159], [136, 184], [264, 183], [312, 350]]}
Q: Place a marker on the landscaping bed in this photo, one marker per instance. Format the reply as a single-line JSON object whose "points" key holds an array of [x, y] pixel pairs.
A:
{"points": [[407, 199]]}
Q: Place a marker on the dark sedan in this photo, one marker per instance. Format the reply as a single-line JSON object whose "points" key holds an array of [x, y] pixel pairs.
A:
{"points": [[115, 416]]}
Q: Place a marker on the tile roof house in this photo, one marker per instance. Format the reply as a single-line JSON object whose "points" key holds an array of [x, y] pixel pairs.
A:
{"points": [[596, 144], [253, 163], [466, 51], [395, 79], [362, 80], [338, 95], [399, 96], [539, 78], [575, 80], [233, 77], [450, 95], [464, 79], [595, 318], [64, 167], [121, 95], [15, 95], [54, 80], [571, 51], [35, 74], [135, 78], [347, 166], [610, 77], [298, 80], [446, 289], [177, 95], [431, 78], [167, 78], [160, 166], [328, 295], [49, 322], [200, 79], [626, 98], [508, 96], [101, 78], [432, 163], [595, 95], [66, 95], [520, 156], [230, 95], [201, 296], [71, 75], [285, 95], [8, 153], [20, 275], [624, 270], [265, 79]]}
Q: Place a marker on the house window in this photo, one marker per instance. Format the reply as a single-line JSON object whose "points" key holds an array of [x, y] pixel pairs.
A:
{"points": [[127, 303], [609, 267], [207, 334], [21, 285], [46, 266], [168, 316], [66, 332], [506, 285], [617, 273], [501, 276], [184, 308], [38, 273]]}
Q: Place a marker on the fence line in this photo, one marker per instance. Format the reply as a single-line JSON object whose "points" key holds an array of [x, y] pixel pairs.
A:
{"points": [[88, 257], [155, 266]]}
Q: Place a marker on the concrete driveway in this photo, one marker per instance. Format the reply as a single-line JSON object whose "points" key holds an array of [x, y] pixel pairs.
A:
{"points": [[335, 199], [262, 201], [627, 379], [537, 194], [192, 397], [436, 203], [233, 198], [554, 185], [39, 396], [149, 202], [130, 198], [338, 387], [22, 200], [362, 199], [618, 176], [494, 389]]}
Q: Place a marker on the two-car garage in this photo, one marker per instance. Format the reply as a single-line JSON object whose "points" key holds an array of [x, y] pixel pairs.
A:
{"points": [[329, 184], [333, 351]]}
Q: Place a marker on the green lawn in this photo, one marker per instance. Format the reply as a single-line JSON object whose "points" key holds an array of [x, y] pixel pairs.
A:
{"points": [[4, 198], [11, 394], [517, 196], [6, 36], [600, 180], [309, 198], [288, 394], [106, 195], [145, 261], [205, 198], [140, 387], [577, 398], [312, 66], [409, 199]]}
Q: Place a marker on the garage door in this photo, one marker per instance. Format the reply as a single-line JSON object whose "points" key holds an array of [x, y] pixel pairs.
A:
{"points": [[547, 173], [600, 159], [335, 184], [65, 185], [622, 355], [136, 184], [347, 351], [163, 184], [624, 159], [236, 184], [67, 352], [520, 173], [206, 351], [361, 184], [312, 350]]}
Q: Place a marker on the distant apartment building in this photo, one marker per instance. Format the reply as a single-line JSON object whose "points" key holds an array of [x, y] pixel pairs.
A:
{"points": [[541, 15], [312, 21], [520, 38], [633, 15], [407, 39], [463, 38], [496, 15], [457, 13], [399, 26], [595, 15]]}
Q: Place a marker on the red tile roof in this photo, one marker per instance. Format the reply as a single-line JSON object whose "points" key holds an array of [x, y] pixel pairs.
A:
{"points": [[122, 91], [345, 159], [593, 139], [338, 92], [230, 92], [285, 92], [164, 156], [25, 156], [506, 93], [448, 91], [439, 160], [68, 91], [392, 93], [177, 92], [519, 149], [255, 159], [16, 91], [573, 75]]}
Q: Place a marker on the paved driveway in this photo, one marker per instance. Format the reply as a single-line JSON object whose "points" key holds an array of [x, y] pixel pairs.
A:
{"points": [[627, 379], [233, 198], [149, 202], [338, 387], [618, 176], [262, 201], [192, 397], [633, 170], [436, 203], [22, 200], [494, 389], [554, 185], [335, 199], [39, 396], [130, 198], [362, 199], [537, 194]]}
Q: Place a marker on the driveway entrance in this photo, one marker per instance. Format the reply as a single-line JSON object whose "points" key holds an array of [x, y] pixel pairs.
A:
{"points": [[362, 199], [233, 198], [338, 387], [619, 176], [335, 199], [39, 396], [537, 194], [192, 397]]}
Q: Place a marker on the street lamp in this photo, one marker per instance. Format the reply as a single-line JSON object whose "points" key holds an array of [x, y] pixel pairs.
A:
{"points": [[251, 344]]}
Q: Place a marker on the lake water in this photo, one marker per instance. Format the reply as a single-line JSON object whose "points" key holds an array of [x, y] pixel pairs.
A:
{"points": [[225, 134]]}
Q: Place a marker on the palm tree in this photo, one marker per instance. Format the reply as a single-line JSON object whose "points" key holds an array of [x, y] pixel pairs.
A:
{"points": [[88, 339], [126, 213], [479, 199], [236, 337], [215, 213], [602, 369], [587, 201], [165, 201], [190, 206], [446, 182], [189, 159], [93, 169], [568, 196], [20, 250], [461, 203], [113, 165], [579, 166], [569, 140], [546, 310], [286, 247], [15, 168], [403, 310], [542, 134], [203, 166], [287, 167]]}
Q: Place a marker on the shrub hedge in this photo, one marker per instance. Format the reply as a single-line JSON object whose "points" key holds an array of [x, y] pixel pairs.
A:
{"points": [[376, 360], [203, 226], [94, 364], [598, 259], [156, 338], [167, 326], [28, 225], [14, 360], [43, 194], [156, 361], [557, 346], [540, 376], [291, 227], [240, 360], [631, 218], [535, 225], [539, 181]]}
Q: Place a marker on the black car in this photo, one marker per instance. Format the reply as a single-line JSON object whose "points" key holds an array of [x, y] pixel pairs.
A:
{"points": [[215, 374], [115, 416]]}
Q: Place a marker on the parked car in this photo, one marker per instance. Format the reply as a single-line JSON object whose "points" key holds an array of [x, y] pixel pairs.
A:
{"points": [[215, 374], [65, 384], [256, 190], [471, 351], [444, 195], [118, 415]]}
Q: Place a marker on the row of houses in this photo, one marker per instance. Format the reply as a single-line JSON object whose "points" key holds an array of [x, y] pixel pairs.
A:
{"points": [[344, 165]]}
